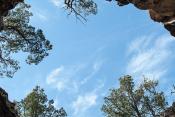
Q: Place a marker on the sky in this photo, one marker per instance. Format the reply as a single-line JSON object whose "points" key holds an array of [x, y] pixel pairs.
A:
{"points": [[88, 59]]}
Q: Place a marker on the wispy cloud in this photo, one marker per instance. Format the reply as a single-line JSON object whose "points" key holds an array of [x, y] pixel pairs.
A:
{"points": [[63, 78], [72, 81], [87, 100], [72, 77], [58, 3], [51, 78], [96, 66], [150, 56], [84, 102], [40, 14], [69, 77]]}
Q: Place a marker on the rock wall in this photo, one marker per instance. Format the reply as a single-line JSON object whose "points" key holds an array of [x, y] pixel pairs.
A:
{"points": [[169, 112], [7, 108], [160, 11]]}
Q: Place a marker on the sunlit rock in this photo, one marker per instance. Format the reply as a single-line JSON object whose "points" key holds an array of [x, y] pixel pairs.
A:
{"points": [[160, 11]]}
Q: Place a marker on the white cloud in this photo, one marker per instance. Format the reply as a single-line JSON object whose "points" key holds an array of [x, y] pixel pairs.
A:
{"points": [[62, 78], [84, 102], [58, 3], [51, 78], [96, 66], [42, 16], [72, 77], [56, 103], [68, 81], [149, 56], [87, 100]]}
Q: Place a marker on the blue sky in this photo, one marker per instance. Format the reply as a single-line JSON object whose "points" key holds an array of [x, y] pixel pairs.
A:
{"points": [[87, 59]]}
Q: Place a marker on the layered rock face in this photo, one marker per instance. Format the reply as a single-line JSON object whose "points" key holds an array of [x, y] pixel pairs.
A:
{"points": [[5, 6], [169, 112], [160, 11], [7, 108]]}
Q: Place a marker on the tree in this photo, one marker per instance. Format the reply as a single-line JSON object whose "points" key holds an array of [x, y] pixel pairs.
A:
{"points": [[15, 31], [160, 10], [5, 6], [17, 35], [81, 8], [130, 100], [36, 104]]}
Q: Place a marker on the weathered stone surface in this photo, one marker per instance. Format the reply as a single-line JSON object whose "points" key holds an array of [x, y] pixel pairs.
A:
{"points": [[169, 112], [160, 11], [7, 108]]}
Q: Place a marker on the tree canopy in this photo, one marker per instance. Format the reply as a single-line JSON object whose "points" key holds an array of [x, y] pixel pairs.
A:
{"points": [[81, 8], [17, 35], [36, 104], [160, 10], [131, 100]]}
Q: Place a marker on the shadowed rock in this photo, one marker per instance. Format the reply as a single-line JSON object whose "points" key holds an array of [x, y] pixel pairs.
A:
{"points": [[169, 112], [7, 108]]}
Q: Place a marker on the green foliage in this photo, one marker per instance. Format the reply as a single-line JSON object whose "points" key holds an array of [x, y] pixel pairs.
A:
{"points": [[134, 101], [17, 36], [81, 8], [36, 104]]}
